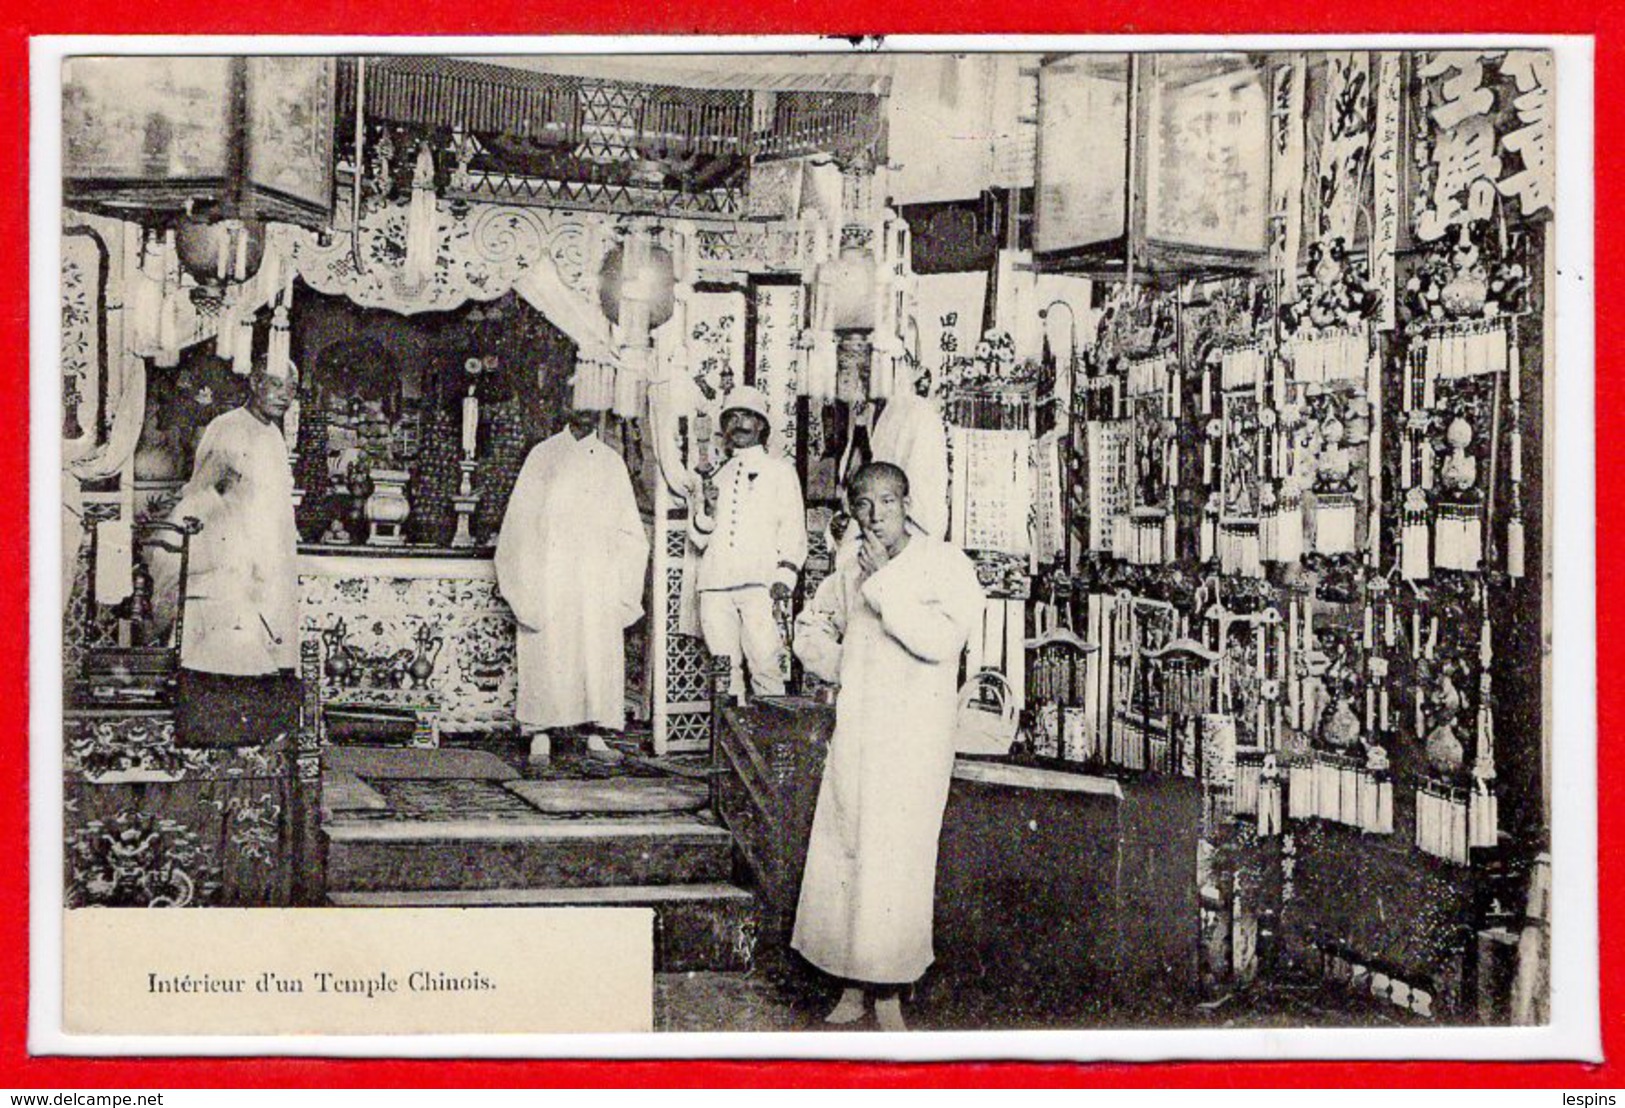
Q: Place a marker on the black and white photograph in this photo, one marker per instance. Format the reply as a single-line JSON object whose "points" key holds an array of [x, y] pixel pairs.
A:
{"points": [[964, 540]]}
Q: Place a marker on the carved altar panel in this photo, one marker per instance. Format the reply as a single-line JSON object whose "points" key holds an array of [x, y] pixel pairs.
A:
{"points": [[386, 602]]}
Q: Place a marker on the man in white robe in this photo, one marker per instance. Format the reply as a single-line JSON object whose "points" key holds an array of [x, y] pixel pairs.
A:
{"points": [[889, 626], [239, 638], [570, 562]]}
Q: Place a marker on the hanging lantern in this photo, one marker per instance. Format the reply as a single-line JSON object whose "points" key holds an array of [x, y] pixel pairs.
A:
{"points": [[219, 253], [1122, 192], [202, 144], [637, 285], [847, 285]]}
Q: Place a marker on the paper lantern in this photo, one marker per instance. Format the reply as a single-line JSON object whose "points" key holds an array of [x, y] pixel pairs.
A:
{"points": [[227, 251], [847, 284], [637, 276]]}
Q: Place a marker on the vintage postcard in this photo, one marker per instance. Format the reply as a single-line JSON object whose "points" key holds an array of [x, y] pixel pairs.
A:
{"points": [[664, 546]]}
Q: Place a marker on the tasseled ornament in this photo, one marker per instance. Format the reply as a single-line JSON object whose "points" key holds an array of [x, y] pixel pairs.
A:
{"points": [[242, 353], [1336, 518], [144, 303], [277, 356], [593, 387], [1249, 779], [1458, 537], [823, 367], [422, 221], [169, 316], [1269, 798], [1483, 816], [1239, 550], [630, 395], [1415, 564], [225, 335], [1187, 690], [1303, 801]]}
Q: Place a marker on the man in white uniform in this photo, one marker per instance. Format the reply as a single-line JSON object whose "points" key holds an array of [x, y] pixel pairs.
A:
{"points": [[239, 641], [889, 626], [754, 545], [570, 562]]}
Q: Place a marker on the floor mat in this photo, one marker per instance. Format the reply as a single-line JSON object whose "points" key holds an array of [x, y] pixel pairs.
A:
{"points": [[377, 763], [616, 795], [450, 800]]}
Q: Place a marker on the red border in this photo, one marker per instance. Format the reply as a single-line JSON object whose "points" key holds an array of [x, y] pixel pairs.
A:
{"points": [[1604, 19]]}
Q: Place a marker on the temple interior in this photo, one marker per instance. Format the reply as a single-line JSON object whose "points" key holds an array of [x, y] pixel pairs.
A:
{"points": [[1232, 368]]}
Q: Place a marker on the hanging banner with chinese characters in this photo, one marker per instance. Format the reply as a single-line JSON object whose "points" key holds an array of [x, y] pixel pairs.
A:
{"points": [[1286, 181], [992, 489], [778, 322], [1346, 148], [1385, 186], [1531, 141], [716, 341], [948, 311], [1485, 137]]}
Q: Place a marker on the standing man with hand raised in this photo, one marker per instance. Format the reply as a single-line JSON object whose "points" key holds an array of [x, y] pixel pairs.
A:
{"points": [[889, 627], [754, 545]]}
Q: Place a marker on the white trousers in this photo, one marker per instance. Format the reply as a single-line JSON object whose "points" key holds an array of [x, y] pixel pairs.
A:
{"points": [[738, 625]]}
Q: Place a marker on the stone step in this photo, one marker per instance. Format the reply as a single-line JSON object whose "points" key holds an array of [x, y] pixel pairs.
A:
{"points": [[698, 927], [418, 855]]}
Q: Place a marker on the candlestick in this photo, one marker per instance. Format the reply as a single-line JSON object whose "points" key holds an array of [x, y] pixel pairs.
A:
{"points": [[464, 504], [471, 423]]}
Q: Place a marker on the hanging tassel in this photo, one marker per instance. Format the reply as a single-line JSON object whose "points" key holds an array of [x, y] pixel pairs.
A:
{"points": [[144, 305], [422, 218], [823, 367], [1302, 794], [225, 335], [1458, 537], [1269, 806], [169, 317], [223, 251], [1483, 816], [1413, 538], [277, 357], [1515, 548], [242, 354]]}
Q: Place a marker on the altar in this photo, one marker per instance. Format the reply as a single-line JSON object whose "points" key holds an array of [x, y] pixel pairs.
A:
{"points": [[424, 633]]}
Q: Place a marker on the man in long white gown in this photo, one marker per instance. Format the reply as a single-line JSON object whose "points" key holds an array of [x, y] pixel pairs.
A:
{"points": [[889, 626], [240, 640], [570, 562]]}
